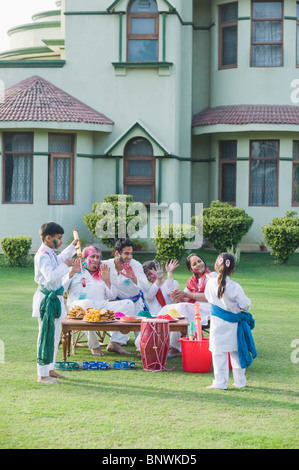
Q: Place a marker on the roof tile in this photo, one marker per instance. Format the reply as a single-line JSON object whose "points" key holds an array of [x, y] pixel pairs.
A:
{"points": [[36, 99], [247, 114]]}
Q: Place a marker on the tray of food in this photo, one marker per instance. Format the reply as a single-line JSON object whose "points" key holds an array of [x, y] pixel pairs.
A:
{"points": [[76, 313], [99, 315], [128, 319]]}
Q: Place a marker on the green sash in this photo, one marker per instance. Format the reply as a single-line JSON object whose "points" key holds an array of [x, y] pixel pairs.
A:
{"points": [[50, 308]]}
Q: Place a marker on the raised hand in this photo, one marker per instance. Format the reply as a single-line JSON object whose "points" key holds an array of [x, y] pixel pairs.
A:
{"points": [[171, 266], [105, 273]]}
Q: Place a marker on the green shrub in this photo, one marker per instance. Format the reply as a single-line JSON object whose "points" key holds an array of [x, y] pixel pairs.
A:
{"points": [[16, 250], [224, 225], [115, 218], [282, 235], [170, 240]]}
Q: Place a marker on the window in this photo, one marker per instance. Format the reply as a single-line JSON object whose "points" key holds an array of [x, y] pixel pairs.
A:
{"points": [[295, 191], [143, 31], [227, 171], [228, 35], [266, 34], [61, 169], [264, 172], [18, 167], [139, 170]]}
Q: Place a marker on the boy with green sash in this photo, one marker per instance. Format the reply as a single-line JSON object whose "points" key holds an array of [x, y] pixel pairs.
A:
{"points": [[48, 302]]}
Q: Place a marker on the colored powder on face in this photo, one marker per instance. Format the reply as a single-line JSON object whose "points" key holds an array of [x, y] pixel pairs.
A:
{"points": [[55, 243]]}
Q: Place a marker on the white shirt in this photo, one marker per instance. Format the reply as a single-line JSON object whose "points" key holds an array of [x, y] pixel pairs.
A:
{"points": [[49, 270], [150, 295], [223, 334], [96, 290], [125, 286]]}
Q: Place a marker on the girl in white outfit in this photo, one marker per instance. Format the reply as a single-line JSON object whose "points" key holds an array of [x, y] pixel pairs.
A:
{"points": [[228, 295]]}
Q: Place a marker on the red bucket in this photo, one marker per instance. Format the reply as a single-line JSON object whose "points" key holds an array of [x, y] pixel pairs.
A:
{"points": [[196, 355]]}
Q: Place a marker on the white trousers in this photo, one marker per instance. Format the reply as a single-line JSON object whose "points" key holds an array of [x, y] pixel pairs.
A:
{"points": [[44, 371], [221, 370]]}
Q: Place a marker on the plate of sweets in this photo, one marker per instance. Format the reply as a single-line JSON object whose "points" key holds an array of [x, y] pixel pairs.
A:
{"points": [[76, 313], [129, 319], [99, 315]]}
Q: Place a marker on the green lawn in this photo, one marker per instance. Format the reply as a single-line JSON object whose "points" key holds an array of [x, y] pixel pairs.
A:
{"points": [[137, 409]]}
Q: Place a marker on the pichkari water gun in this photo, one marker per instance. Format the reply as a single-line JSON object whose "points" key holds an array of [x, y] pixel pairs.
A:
{"points": [[198, 322], [79, 254]]}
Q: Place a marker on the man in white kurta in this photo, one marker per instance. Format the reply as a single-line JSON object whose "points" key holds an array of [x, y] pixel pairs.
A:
{"points": [[223, 334], [96, 294], [130, 280]]}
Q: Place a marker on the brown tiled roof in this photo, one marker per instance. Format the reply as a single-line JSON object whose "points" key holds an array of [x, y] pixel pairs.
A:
{"points": [[36, 99], [247, 114]]}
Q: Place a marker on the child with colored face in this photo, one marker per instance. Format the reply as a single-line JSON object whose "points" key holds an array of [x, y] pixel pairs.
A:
{"points": [[48, 303]]}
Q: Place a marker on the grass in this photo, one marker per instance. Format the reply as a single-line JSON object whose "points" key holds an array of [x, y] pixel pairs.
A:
{"points": [[137, 409]]}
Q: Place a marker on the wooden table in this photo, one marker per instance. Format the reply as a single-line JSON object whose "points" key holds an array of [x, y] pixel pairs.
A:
{"points": [[69, 325]]}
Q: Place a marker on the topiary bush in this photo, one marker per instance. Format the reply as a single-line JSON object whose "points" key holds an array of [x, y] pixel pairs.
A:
{"points": [[224, 225], [282, 236], [16, 250], [170, 240], [115, 216]]}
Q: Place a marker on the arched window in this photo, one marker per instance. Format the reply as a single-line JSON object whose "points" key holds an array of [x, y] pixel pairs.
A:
{"points": [[143, 31], [139, 170]]}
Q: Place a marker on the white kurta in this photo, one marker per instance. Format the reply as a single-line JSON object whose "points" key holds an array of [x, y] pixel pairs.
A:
{"points": [[155, 308], [96, 295], [126, 288], [96, 292], [223, 334], [150, 295], [49, 270]]}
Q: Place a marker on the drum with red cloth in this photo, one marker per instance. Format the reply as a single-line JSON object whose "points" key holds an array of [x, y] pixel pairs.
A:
{"points": [[154, 343]]}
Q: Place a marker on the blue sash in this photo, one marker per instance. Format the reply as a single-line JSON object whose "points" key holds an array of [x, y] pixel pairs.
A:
{"points": [[246, 347], [135, 298]]}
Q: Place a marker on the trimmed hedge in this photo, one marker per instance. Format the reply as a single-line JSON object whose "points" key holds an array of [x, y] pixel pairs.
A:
{"points": [[117, 210], [170, 239], [282, 236], [224, 225], [16, 250]]}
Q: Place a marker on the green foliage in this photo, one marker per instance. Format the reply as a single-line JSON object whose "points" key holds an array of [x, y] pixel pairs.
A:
{"points": [[224, 225], [170, 240], [282, 235], [16, 250], [118, 216]]}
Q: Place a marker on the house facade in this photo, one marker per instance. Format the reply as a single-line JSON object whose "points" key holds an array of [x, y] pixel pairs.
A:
{"points": [[179, 101]]}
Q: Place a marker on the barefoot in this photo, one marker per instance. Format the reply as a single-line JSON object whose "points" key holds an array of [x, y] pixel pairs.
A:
{"points": [[53, 373], [47, 380], [96, 351], [116, 347]]}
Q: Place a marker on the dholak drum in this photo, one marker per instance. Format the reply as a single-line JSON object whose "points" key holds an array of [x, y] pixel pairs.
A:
{"points": [[154, 343]]}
